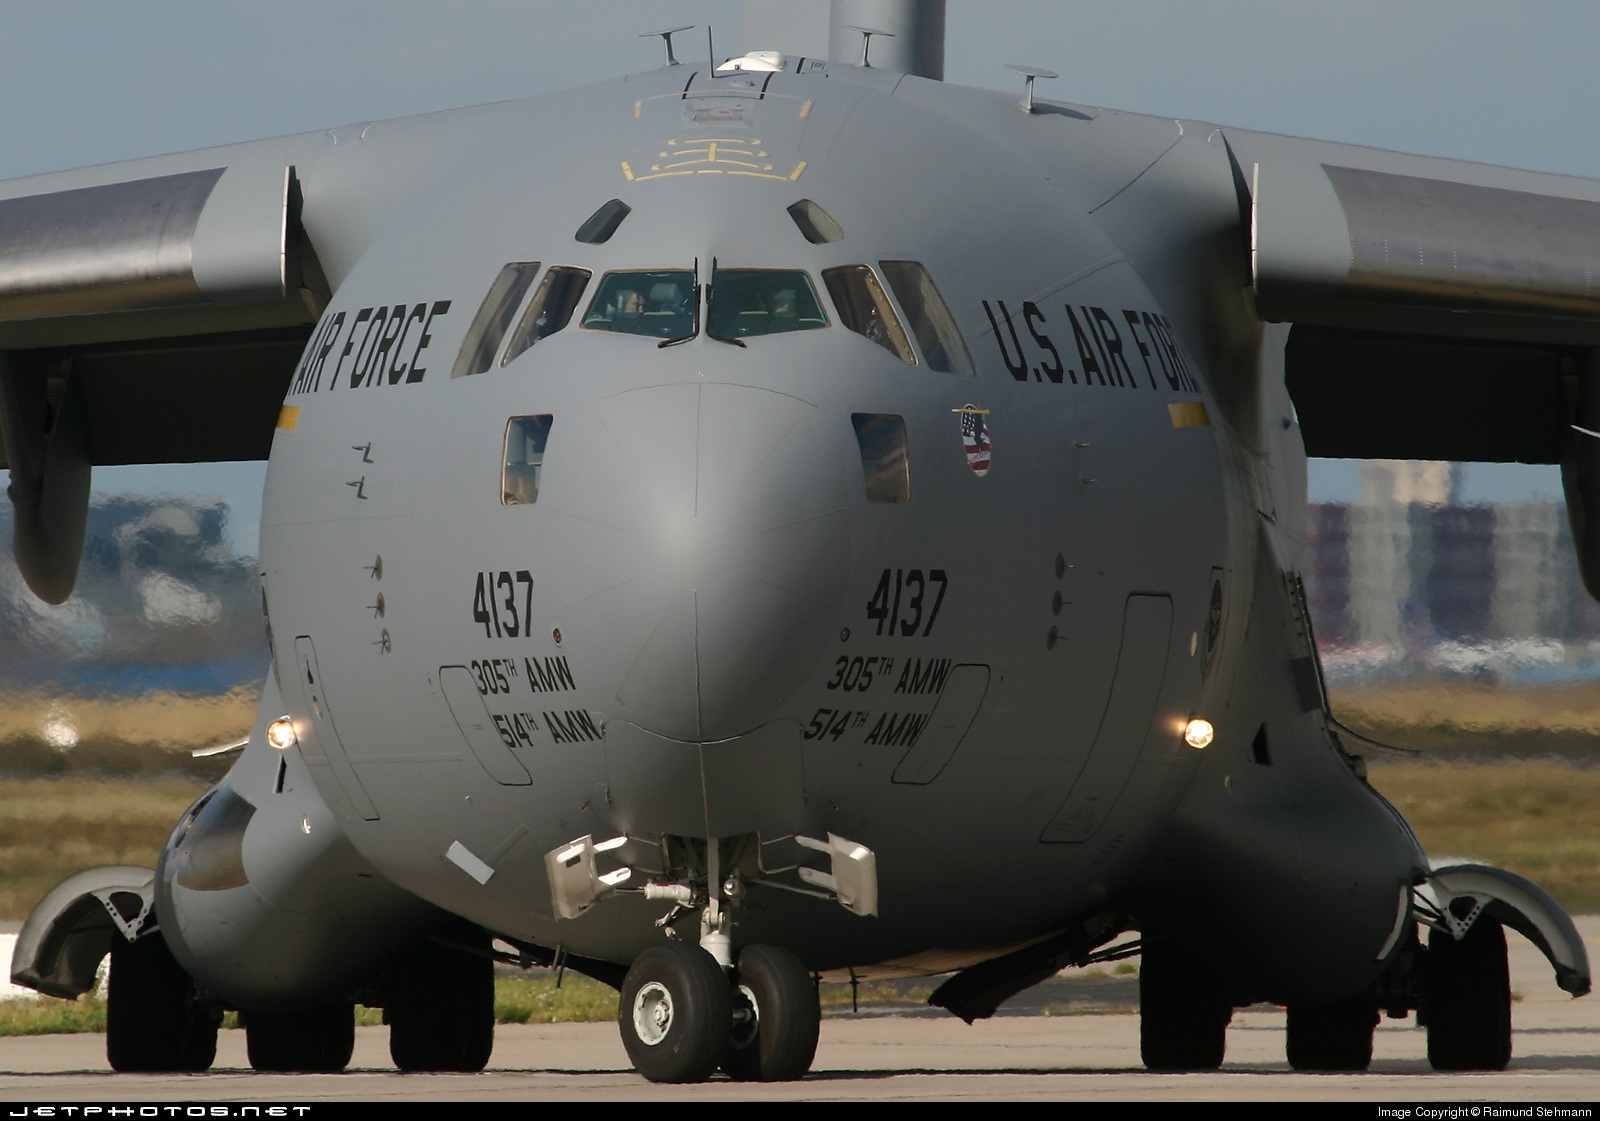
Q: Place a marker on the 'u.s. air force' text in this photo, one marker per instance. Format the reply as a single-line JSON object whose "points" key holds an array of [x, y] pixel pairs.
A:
{"points": [[1102, 352], [380, 346]]}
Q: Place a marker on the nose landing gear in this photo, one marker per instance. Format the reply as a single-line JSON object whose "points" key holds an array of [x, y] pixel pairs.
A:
{"points": [[682, 1016]]}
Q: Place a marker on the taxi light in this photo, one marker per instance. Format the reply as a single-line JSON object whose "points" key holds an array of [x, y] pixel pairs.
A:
{"points": [[1198, 733], [280, 733]]}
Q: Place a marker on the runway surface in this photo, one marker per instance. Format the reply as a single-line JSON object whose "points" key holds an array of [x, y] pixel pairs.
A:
{"points": [[881, 1055]]}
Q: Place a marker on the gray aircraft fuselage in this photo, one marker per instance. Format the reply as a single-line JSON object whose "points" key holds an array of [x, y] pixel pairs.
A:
{"points": [[703, 627]]}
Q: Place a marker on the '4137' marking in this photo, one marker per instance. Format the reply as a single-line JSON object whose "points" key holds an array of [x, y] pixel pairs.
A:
{"points": [[494, 604], [900, 600]]}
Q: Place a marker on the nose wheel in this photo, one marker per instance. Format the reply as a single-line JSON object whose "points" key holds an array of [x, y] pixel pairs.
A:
{"points": [[776, 1017], [675, 1013], [682, 1016]]}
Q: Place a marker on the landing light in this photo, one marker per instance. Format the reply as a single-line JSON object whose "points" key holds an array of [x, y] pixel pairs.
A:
{"points": [[280, 733], [1198, 733]]}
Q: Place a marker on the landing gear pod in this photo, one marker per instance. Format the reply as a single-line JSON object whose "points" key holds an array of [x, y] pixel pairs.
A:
{"points": [[1464, 892], [157, 1018], [1466, 982], [71, 930]]}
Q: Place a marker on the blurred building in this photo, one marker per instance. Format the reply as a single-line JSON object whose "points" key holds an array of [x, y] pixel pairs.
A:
{"points": [[1400, 588]]}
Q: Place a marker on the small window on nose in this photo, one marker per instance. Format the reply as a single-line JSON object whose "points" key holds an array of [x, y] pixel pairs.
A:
{"points": [[524, 458], [884, 464]]}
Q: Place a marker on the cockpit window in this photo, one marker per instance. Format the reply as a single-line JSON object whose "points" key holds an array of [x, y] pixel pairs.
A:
{"points": [[816, 225], [747, 302], [864, 309], [599, 226], [551, 308], [658, 304], [930, 317], [494, 316], [524, 458], [884, 465]]}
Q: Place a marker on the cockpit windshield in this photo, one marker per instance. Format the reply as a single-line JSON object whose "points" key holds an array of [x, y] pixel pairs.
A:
{"points": [[746, 302], [659, 304]]}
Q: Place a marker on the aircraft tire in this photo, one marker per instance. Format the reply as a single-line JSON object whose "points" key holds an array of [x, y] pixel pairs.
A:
{"points": [[1467, 988], [316, 1040], [778, 1039], [675, 1013], [1183, 1019], [441, 1006], [1332, 1037], [154, 1018]]}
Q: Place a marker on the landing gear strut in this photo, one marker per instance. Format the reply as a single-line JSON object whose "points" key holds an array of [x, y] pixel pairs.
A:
{"points": [[155, 1020]]}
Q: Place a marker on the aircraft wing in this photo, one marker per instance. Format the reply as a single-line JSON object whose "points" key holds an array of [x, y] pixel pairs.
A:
{"points": [[173, 295], [152, 311], [1442, 309]]}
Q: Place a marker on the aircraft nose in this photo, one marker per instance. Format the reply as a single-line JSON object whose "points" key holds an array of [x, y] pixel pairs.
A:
{"points": [[711, 550]]}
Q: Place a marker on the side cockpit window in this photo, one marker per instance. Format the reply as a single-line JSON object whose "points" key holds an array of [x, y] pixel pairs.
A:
{"points": [[524, 458], [931, 321], [864, 309], [494, 317], [746, 302], [551, 308], [885, 467], [656, 303]]}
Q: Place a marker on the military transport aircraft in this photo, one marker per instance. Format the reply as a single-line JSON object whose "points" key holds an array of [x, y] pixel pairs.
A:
{"points": [[784, 516]]}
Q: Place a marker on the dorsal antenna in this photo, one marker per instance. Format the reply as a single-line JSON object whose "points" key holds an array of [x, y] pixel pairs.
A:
{"points": [[1029, 73], [866, 39], [666, 37]]}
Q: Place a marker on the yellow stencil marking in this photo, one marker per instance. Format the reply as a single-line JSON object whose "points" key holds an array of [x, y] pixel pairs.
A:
{"points": [[1189, 414], [805, 110], [288, 417], [638, 108], [724, 155]]}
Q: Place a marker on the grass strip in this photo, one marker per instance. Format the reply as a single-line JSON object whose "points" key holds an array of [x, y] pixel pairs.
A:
{"points": [[529, 999]]}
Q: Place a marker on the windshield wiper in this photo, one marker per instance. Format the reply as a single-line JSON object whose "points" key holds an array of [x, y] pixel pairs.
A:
{"points": [[695, 317], [711, 312]]}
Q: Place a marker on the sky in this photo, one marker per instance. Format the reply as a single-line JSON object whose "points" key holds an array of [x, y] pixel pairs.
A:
{"points": [[90, 81]]}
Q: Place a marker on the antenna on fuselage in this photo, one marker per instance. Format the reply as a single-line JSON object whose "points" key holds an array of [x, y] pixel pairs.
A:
{"points": [[866, 39], [666, 37], [1030, 73]]}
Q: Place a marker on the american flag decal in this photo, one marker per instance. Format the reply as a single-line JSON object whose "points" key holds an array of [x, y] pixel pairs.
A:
{"points": [[975, 438]]}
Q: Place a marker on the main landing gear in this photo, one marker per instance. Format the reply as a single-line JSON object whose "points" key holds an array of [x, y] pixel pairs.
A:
{"points": [[439, 1004], [1183, 1017], [155, 1018], [1467, 995], [682, 1015]]}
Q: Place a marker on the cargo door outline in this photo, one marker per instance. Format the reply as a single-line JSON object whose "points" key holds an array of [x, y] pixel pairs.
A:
{"points": [[948, 723], [478, 728], [1124, 726], [326, 734]]}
